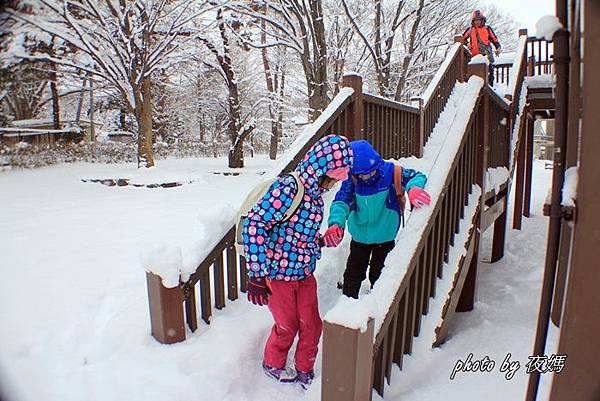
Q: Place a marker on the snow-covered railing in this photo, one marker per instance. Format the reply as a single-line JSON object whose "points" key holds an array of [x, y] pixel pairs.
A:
{"points": [[363, 338], [434, 99], [519, 67], [168, 295]]}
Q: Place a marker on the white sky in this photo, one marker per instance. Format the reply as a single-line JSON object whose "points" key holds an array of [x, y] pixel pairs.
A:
{"points": [[526, 12]]}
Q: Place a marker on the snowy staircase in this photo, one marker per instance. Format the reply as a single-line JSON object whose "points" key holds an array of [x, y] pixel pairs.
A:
{"points": [[459, 132]]}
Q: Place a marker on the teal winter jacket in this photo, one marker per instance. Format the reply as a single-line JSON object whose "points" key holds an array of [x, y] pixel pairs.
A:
{"points": [[370, 208]]}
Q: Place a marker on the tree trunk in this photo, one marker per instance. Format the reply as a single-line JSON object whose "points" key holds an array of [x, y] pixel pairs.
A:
{"points": [[317, 78], [92, 109], [144, 121], [55, 101], [122, 119], [411, 49]]}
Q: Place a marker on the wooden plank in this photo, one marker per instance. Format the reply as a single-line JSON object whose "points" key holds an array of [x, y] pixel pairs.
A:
{"points": [[219, 283], [190, 309], [420, 290], [449, 308], [428, 272], [410, 317], [205, 304], [437, 252], [490, 214], [232, 277], [384, 102], [391, 338], [243, 274], [400, 331], [378, 369]]}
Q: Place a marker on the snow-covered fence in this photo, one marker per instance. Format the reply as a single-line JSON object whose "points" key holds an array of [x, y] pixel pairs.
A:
{"points": [[33, 136], [362, 339]]}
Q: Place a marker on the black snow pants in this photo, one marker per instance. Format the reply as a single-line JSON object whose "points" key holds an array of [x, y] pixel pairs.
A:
{"points": [[361, 255]]}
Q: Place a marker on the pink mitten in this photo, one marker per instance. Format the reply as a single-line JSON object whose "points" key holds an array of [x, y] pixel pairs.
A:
{"points": [[418, 197], [333, 236]]}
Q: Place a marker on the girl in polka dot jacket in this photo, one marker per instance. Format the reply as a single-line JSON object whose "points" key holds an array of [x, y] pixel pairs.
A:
{"points": [[282, 257]]}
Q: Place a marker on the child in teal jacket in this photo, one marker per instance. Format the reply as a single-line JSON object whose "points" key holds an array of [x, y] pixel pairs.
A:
{"points": [[368, 203]]}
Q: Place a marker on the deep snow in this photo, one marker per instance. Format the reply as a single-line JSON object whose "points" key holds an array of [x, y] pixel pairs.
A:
{"points": [[74, 311]]}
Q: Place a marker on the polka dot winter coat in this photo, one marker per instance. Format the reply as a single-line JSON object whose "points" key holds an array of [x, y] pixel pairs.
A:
{"points": [[289, 251]]}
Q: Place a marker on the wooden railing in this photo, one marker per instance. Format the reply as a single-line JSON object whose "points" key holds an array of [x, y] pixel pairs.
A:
{"points": [[438, 91], [396, 130], [223, 264], [391, 127], [347, 353], [542, 51], [502, 73], [411, 302]]}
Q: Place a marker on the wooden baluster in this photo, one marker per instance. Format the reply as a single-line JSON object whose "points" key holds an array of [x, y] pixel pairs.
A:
{"points": [[219, 282], [401, 330], [420, 289], [205, 304], [412, 307], [437, 251], [190, 309], [243, 274], [391, 339], [428, 270], [232, 278], [379, 369]]}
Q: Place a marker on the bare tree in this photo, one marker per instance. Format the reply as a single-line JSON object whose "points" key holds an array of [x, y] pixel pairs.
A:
{"points": [[122, 42], [298, 25], [238, 130]]}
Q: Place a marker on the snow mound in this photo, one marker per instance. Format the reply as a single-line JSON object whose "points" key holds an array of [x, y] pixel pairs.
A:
{"points": [[546, 26], [164, 261], [569, 189]]}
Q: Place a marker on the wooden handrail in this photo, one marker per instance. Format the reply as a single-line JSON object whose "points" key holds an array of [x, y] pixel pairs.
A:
{"points": [[392, 104], [425, 237]]}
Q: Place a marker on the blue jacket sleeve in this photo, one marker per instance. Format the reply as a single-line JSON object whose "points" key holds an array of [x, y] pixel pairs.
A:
{"points": [[340, 207], [267, 212], [413, 178]]}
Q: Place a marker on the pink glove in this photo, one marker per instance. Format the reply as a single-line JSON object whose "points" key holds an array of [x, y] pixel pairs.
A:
{"points": [[333, 236], [418, 197]]}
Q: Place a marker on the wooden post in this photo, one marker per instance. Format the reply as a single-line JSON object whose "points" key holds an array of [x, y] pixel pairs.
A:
{"points": [[571, 160], [166, 311], [528, 167], [462, 61], [420, 126], [347, 363], [580, 324], [354, 121], [469, 290], [520, 175], [561, 63]]}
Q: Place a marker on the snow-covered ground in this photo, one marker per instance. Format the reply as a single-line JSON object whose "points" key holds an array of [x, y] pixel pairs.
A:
{"points": [[74, 313]]}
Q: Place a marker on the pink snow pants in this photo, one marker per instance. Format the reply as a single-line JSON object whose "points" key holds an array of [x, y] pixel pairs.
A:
{"points": [[295, 309]]}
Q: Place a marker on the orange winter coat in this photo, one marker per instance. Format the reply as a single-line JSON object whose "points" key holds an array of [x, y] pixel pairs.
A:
{"points": [[486, 35]]}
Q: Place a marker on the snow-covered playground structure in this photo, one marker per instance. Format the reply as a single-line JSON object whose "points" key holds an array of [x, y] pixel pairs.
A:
{"points": [[476, 146]]}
